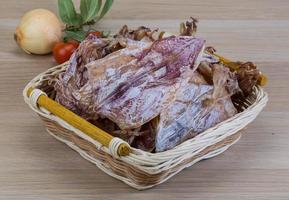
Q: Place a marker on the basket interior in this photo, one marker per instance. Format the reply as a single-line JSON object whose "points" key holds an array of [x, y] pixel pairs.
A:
{"points": [[49, 78]]}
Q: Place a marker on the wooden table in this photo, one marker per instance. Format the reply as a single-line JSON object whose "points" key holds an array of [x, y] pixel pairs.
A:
{"points": [[33, 165]]}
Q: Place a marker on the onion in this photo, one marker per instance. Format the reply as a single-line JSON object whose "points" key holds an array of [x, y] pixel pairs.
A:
{"points": [[38, 31]]}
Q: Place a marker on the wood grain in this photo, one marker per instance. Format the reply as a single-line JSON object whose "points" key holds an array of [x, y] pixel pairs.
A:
{"points": [[33, 165]]}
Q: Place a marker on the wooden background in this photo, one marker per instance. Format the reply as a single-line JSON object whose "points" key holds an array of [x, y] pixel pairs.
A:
{"points": [[33, 165]]}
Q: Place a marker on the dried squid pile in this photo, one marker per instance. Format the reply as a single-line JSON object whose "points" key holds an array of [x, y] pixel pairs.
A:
{"points": [[152, 91]]}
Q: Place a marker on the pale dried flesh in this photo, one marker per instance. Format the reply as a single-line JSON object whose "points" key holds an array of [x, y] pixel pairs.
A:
{"points": [[154, 94]]}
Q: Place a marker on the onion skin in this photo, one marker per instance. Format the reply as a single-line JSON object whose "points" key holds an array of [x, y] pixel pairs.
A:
{"points": [[38, 31]]}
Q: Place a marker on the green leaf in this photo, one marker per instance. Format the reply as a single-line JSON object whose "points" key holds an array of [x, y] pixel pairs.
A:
{"points": [[78, 21], [105, 34], [89, 9], [68, 14], [105, 9], [76, 35]]}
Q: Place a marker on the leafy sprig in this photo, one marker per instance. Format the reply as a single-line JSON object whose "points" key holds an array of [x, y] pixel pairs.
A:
{"points": [[91, 11]]}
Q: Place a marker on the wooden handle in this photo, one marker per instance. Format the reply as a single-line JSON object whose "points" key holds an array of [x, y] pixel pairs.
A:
{"points": [[89, 129]]}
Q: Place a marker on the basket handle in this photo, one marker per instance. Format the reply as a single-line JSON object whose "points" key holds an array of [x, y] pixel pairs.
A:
{"points": [[114, 144]]}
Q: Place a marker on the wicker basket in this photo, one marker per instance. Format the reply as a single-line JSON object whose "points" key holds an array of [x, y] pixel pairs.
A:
{"points": [[141, 169]]}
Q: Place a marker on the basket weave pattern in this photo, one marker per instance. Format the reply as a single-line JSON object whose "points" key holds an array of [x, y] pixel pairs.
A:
{"points": [[141, 169]]}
